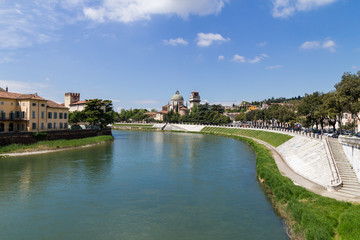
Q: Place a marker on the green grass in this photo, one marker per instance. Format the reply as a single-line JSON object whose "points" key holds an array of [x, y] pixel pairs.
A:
{"points": [[310, 216], [56, 144], [274, 139], [132, 125]]}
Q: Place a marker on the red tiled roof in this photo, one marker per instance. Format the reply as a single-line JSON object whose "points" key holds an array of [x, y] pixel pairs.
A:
{"points": [[11, 95], [78, 103], [52, 104]]}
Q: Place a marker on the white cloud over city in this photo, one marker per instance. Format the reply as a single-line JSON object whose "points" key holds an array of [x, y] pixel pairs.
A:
{"points": [[286, 8], [207, 39], [327, 44], [134, 10], [175, 42], [242, 59]]}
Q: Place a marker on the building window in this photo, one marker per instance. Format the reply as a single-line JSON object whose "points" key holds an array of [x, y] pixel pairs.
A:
{"points": [[42, 125], [18, 127], [11, 115], [17, 104], [65, 125], [49, 125], [49, 115], [33, 126], [34, 104], [65, 115], [33, 114], [17, 114], [11, 103], [42, 115], [54, 125], [2, 115], [23, 104], [23, 114], [61, 125], [43, 105], [2, 103], [55, 115], [60, 115], [22, 127]]}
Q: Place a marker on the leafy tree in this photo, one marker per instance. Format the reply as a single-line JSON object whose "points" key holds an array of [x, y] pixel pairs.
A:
{"points": [[348, 93], [76, 117], [99, 112]]}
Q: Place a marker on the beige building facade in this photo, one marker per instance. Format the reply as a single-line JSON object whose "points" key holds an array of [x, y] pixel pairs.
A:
{"points": [[30, 113]]}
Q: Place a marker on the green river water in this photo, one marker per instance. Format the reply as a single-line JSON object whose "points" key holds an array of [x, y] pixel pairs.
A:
{"points": [[144, 185]]}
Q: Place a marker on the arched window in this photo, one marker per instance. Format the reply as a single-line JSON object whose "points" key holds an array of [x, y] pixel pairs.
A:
{"points": [[11, 127], [2, 127]]}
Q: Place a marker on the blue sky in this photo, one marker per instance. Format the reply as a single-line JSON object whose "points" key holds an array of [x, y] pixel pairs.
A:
{"points": [[139, 52]]}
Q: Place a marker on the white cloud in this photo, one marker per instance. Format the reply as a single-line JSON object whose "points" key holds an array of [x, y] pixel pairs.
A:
{"points": [[354, 67], [274, 67], [310, 45], [262, 44], [330, 45], [258, 59], [134, 10], [175, 42], [207, 39], [24, 87], [238, 58], [286, 8], [242, 59], [326, 44], [34, 22], [221, 57]]}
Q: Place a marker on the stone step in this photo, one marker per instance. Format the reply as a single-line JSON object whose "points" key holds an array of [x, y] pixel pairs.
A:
{"points": [[344, 194], [349, 191], [352, 184]]}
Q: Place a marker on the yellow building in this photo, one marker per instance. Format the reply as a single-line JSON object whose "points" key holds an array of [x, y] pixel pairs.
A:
{"points": [[252, 108], [30, 113]]}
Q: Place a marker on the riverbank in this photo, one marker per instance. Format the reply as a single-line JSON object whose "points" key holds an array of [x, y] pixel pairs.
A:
{"points": [[52, 146], [308, 215]]}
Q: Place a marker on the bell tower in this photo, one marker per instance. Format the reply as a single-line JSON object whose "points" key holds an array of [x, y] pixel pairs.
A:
{"points": [[194, 99]]}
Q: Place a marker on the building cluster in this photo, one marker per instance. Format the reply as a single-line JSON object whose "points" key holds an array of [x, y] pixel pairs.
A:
{"points": [[30, 113], [177, 105]]}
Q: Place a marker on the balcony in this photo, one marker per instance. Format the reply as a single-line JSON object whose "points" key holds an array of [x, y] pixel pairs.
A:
{"points": [[12, 119]]}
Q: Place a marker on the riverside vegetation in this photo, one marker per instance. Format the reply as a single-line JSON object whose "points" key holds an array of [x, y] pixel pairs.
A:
{"points": [[54, 145], [309, 216]]}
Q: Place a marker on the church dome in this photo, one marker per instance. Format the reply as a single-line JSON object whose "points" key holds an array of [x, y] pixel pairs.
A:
{"points": [[177, 97]]}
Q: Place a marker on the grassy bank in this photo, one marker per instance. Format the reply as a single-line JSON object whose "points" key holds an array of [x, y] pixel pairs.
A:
{"points": [[53, 145], [274, 139], [309, 216], [133, 125]]}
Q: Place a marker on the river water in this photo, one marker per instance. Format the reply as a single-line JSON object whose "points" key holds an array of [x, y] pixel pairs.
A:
{"points": [[144, 185]]}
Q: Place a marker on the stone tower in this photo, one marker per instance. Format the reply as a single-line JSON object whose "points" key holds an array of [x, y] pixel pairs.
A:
{"points": [[194, 99], [70, 98]]}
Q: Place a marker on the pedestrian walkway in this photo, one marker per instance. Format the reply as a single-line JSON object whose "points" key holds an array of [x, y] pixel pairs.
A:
{"points": [[351, 185]]}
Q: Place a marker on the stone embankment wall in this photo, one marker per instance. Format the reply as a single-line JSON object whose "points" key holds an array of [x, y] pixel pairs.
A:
{"points": [[308, 157], [30, 138], [351, 149]]}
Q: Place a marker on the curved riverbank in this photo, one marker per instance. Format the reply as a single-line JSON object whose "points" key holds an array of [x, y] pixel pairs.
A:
{"points": [[42, 147], [308, 215]]}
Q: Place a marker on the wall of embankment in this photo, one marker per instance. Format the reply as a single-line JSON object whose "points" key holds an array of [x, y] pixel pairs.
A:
{"points": [[30, 138]]}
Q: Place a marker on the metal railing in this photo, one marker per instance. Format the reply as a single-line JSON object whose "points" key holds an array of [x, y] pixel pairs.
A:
{"points": [[336, 182]]}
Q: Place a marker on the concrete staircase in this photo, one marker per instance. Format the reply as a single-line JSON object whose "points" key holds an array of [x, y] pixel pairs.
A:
{"points": [[351, 185]]}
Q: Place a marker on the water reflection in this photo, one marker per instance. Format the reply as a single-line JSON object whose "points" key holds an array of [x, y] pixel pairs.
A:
{"points": [[20, 174], [144, 185]]}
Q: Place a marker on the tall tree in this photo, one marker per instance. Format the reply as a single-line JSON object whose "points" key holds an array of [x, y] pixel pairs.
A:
{"points": [[99, 112], [348, 93]]}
